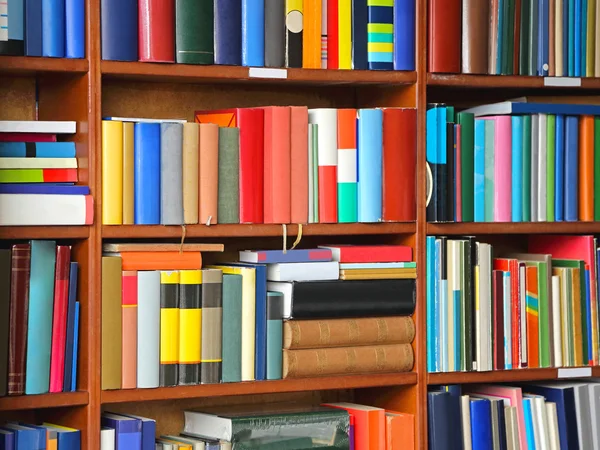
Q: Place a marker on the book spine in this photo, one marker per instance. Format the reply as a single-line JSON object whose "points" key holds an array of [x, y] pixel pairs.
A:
{"points": [[33, 27], [169, 328], [332, 35], [74, 28], [59, 318], [559, 180], [324, 38], [212, 319], [589, 37], [347, 168], [22, 209], [405, 37], [253, 33], [128, 173], [232, 336], [586, 168], [228, 203], [157, 30], [129, 324], [209, 173], [294, 30], [596, 166], [29, 148], [532, 317], [69, 354], [571, 168], [517, 169], [53, 28], [38, 175], [119, 30], [194, 32], [75, 348], [191, 135], [311, 34], [490, 134], [502, 169], [274, 33], [370, 143], [251, 124], [344, 34], [5, 325], [274, 335], [171, 176], [11, 32], [550, 166], [112, 337], [148, 330], [313, 173], [228, 32], [190, 326], [299, 162], [432, 161], [444, 36], [360, 38], [147, 173], [112, 172], [380, 47]]}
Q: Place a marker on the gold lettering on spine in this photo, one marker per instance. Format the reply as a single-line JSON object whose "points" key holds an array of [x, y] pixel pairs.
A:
{"points": [[324, 333], [351, 360], [321, 361]]}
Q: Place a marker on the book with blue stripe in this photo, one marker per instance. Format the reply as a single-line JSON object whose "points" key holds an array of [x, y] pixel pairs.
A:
{"points": [[70, 337], [571, 169], [431, 353], [481, 423], [253, 33], [559, 173], [37, 149], [529, 422], [479, 175], [128, 430], [146, 155], [370, 155], [517, 169], [53, 28], [33, 27], [404, 34], [119, 30], [44, 188], [74, 28], [543, 39], [380, 29], [75, 347]]}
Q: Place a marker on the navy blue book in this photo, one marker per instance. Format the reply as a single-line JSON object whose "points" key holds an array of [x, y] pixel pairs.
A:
{"points": [[228, 32], [119, 30], [146, 168], [571, 168], [7, 439], [565, 25], [128, 431], [439, 429], [360, 14], [67, 381], [404, 34], [74, 28], [43, 188], [53, 28], [499, 404], [148, 431], [33, 27], [75, 349], [481, 424], [455, 391], [577, 38]]}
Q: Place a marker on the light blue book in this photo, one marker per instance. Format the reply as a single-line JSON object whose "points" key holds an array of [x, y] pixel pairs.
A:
{"points": [[431, 328], [517, 169], [437, 271], [370, 145], [444, 337], [148, 332], [37, 149], [577, 38], [529, 430], [488, 188], [16, 20], [457, 299], [274, 335], [75, 348], [559, 173], [253, 33], [479, 168], [39, 324]]}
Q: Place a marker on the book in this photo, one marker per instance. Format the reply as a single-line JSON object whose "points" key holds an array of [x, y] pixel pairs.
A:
{"points": [[5, 294], [369, 424], [208, 174], [190, 326], [194, 32], [37, 126], [299, 162], [212, 317], [156, 36], [119, 30], [129, 325], [169, 328], [312, 271], [369, 186], [232, 338], [157, 260], [59, 318], [289, 256], [112, 173], [148, 329], [367, 254], [253, 33], [228, 32], [347, 174], [171, 176], [190, 187], [128, 430], [112, 340], [74, 29], [147, 173], [37, 149], [160, 247], [53, 28], [274, 335], [228, 203]]}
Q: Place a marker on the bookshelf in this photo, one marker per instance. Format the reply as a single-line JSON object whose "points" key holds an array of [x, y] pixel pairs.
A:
{"points": [[88, 89]]}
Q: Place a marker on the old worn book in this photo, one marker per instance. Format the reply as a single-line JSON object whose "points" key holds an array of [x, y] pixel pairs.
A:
{"points": [[5, 275], [111, 323], [228, 204], [212, 318]]}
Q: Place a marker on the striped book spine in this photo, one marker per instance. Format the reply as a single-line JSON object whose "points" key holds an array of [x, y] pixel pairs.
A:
{"points": [[212, 317], [324, 34], [3, 21], [344, 34], [190, 326], [129, 300], [380, 31], [347, 166], [531, 304], [169, 328]]}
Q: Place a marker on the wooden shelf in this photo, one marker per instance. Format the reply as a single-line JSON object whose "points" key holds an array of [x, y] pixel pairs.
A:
{"points": [[28, 65], [249, 230], [501, 81], [184, 73], [59, 400], [471, 228], [497, 376], [49, 232], [260, 387]]}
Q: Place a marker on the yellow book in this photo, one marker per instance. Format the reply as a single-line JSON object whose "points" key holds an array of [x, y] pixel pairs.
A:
{"points": [[190, 326], [191, 134], [112, 172], [169, 328], [344, 34], [248, 316], [311, 37], [128, 173], [591, 39], [597, 41], [378, 275]]}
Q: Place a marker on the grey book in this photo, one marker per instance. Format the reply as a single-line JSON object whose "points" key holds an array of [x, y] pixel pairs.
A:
{"points": [[228, 206], [274, 33], [171, 173], [274, 335], [212, 320], [232, 335], [148, 332]]}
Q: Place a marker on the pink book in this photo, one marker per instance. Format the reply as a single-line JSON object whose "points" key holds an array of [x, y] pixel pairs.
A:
{"points": [[457, 175], [27, 137], [59, 318], [129, 301], [502, 168]]}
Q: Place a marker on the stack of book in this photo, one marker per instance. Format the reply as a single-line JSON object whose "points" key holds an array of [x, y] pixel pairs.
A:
{"points": [[332, 34], [23, 436], [261, 165], [555, 415], [43, 28], [515, 37], [529, 160], [39, 319], [37, 176], [513, 309]]}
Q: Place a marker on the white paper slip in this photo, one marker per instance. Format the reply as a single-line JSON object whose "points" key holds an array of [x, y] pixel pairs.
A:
{"points": [[266, 72], [37, 126], [38, 163], [143, 120], [575, 372], [562, 81]]}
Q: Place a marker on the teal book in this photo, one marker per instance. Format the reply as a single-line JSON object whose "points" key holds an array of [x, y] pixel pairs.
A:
{"points": [[232, 329], [526, 168], [488, 187], [39, 324], [274, 335], [550, 165]]}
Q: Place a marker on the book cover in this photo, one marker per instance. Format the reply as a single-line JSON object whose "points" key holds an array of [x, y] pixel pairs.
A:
{"points": [[194, 31], [190, 326], [228, 32], [212, 329], [171, 176], [156, 25], [169, 328], [370, 155]]}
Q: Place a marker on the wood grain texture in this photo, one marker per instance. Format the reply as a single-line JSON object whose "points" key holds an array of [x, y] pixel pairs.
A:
{"points": [[53, 232], [513, 228], [43, 401], [26, 65], [497, 376], [502, 81]]}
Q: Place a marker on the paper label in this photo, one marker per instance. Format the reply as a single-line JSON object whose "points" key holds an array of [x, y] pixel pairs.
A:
{"points": [[265, 72], [562, 81], [576, 372]]}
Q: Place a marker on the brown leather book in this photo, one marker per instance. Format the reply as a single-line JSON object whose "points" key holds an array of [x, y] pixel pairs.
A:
{"points": [[5, 271], [444, 36], [112, 338], [517, 37], [475, 29], [19, 311], [209, 173]]}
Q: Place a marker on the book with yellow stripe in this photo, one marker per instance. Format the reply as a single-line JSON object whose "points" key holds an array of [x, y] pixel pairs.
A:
{"points": [[212, 318], [112, 172], [377, 274], [380, 31], [344, 34], [169, 328], [128, 218], [190, 326]]}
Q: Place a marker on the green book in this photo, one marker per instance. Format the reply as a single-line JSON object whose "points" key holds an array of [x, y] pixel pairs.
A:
{"points": [[488, 186], [228, 205], [507, 37], [597, 165], [347, 202], [550, 165], [450, 114], [532, 37], [194, 30], [313, 175], [524, 41], [274, 335], [527, 168], [232, 332], [467, 133]]}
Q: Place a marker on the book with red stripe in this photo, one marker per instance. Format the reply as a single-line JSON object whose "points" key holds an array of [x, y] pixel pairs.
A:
{"points": [[370, 253], [59, 318], [277, 168], [332, 35], [38, 175], [290, 256], [129, 301]]}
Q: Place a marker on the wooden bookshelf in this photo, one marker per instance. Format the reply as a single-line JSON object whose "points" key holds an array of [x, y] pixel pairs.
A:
{"points": [[507, 81], [497, 376], [480, 228], [59, 400], [22, 66]]}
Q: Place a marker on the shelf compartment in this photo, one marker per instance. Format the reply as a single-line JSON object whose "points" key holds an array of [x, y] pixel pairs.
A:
{"points": [[58, 400], [500, 376], [27, 65], [480, 228], [259, 387], [502, 81], [45, 232]]}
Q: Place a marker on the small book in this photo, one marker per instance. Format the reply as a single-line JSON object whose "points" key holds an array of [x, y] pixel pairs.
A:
{"points": [[289, 256]]}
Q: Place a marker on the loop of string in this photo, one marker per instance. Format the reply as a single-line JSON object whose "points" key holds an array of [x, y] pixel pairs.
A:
{"points": [[183, 232], [284, 226], [298, 237]]}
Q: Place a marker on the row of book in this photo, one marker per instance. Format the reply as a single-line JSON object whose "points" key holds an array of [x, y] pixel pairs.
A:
{"points": [[39, 319], [24, 436], [167, 321], [338, 426], [552, 415], [43, 28], [313, 34], [515, 37], [38, 175], [498, 308], [528, 160], [276, 164]]}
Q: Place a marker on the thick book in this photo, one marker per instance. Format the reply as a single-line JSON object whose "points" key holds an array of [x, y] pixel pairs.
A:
{"points": [[369, 253], [380, 55], [171, 173], [38, 175], [194, 32], [444, 36], [74, 28], [5, 325], [274, 335], [299, 162], [399, 430], [148, 330], [70, 352], [59, 318], [112, 172], [212, 319], [156, 28], [147, 174], [128, 430], [370, 155], [274, 33], [169, 328], [119, 30], [253, 33], [277, 164], [404, 34], [481, 423], [231, 343], [190, 326], [312, 271], [23, 148], [208, 174], [347, 170], [228, 32], [158, 260], [439, 431], [129, 324], [290, 256], [111, 323], [369, 424], [191, 136], [33, 28], [228, 203], [53, 28]]}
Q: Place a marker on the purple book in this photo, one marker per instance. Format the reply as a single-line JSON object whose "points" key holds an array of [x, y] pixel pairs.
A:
{"points": [[44, 188], [351, 432], [290, 256]]}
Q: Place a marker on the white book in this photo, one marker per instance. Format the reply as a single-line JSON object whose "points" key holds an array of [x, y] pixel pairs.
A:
{"points": [[512, 429], [485, 306], [311, 271], [38, 163], [46, 209], [326, 119], [148, 331], [556, 322], [542, 154], [582, 413], [465, 411], [594, 390], [553, 433], [312, 188], [107, 438], [144, 120], [535, 125], [523, 316], [38, 126], [451, 264]]}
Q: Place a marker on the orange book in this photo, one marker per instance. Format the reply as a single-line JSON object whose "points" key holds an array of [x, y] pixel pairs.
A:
{"points": [[586, 168], [369, 425], [209, 173], [399, 431], [129, 300], [347, 179], [311, 35], [277, 165], [531, 302], [160, 260], [299, 163]]}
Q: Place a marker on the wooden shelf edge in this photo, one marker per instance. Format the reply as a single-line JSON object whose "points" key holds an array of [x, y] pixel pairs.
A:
{"points": [[502, 81], [259, 387], [500, 376], [58, 400], [45, 232], [24, 65], [470, 228]]}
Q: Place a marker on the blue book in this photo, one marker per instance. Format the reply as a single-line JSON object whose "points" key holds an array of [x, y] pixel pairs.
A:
{"points": [[517, 169], [543, 58], [228, 32], [67, 438], [505, 108], [146, 167], [588, 316], [70, 327], [16, 33], [499, 37], [481, 423], [291, 256], [455, 391], [37, 149], [559, 172], [74, 29], [53, 28], [43, 188], [578, 19], [501, 424], [479, 172], [431, 323], [452, 186], [571, 37], [440, 431], [26, 438], [571, 169], [584, 26], [442, 151], [433, 161], [253, 33], [148, 431], [75, 349], [128, 431], [438, 338], [369, 174], [33, 27], [39, 324], [404, 34], [7, 439], [381, 14], [529, 428], [360, 35], [119, 30]]}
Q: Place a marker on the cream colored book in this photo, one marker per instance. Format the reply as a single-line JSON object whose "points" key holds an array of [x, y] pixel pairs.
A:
{"points": [[38, 163], [552, 414], [465, 411], [191, 134], [558, 36], [556, 321]]}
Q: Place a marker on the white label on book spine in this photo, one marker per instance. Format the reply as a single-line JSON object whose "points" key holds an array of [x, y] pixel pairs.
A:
{"points": [[576, 372], [562, 81], [264, 72]]}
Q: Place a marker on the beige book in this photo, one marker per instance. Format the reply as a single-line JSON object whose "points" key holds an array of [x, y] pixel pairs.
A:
{"points": [[191, 137], [465, 411], [111, 323], [512, 429], [209, 173], [128, 177], [558, 36], [552, 414]]}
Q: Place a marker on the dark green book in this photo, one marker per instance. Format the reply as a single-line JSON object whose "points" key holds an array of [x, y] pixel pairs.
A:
{"points": [[194, 32], [232, 333], [510, 37], [524, 33], [467, 133], [533, 38], [597, 167], [526, 168], [228, 204], [212, 320]]}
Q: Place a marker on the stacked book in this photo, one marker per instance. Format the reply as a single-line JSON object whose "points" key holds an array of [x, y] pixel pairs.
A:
{"points": [[528, 160], [494, 309], [332, 34], [38, 176], [23, 436], [43, 28], [515, 37], [276, 164], [39, 319], [556, 415]]}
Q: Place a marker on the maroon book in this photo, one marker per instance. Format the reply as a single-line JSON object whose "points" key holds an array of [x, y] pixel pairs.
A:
{"points": [[444, 36], [156, 28], [498, 318]]}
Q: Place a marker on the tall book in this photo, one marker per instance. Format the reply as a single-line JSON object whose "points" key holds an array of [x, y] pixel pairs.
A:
{"points": [[228, 32], [212, 319], [209, 173], [129, 325], [148, 329], [274, 335], [169, 328], [370, 145], [190, 326], [147, 173], [190, 142], [404, 34], [119, 30], [253, 33], [444, 36], [274, 27], [232, 337], [228, 203], [128, 173], [53, 28], [112, 349], [5, 275], [112, 172], [171, 176], [311, 34], [347, 173], [59, 318], [299, 161], [156, 30]]}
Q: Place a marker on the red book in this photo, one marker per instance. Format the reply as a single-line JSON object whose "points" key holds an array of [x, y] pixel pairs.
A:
{"points": [[27, 137], [369, 425], [399, 164], [512, 266], [299, 161], [156, 28], [370, 253], [58, 175], [129, 302], [19, 312], [59, 318], [277, 168], [444, 36], [332, 35]]}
